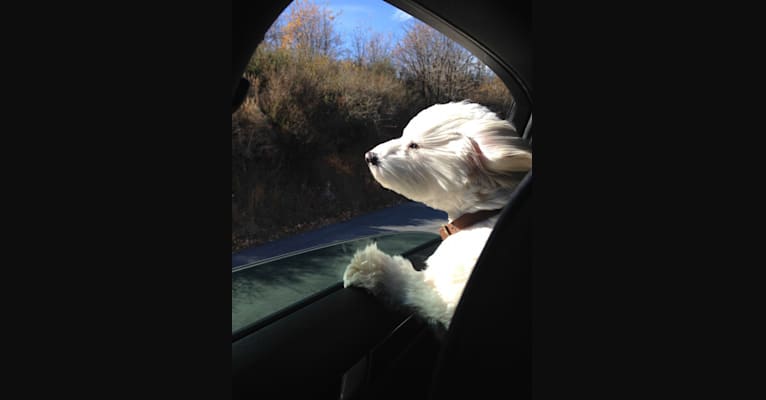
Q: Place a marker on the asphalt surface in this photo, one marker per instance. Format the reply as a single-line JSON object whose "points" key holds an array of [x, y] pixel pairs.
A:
{"points": [[402, 218]]}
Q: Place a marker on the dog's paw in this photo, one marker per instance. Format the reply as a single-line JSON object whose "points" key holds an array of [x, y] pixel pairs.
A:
{"points": [[368, 269]]}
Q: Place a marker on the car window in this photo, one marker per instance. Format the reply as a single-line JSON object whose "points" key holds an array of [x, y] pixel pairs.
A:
{"points": [[264, 287], [330, 81]]}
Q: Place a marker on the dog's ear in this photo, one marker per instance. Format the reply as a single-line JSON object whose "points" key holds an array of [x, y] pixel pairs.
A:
{"points": [[501, 151]]}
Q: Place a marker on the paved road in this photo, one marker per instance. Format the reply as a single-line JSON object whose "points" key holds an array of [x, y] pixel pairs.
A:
{"points": [[402, 218]]}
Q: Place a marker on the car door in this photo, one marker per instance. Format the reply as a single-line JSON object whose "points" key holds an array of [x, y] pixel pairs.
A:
{"points": [[344, 343]]}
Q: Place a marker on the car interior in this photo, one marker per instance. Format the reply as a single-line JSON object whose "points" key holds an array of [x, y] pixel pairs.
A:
{"points": [[345, 344]]}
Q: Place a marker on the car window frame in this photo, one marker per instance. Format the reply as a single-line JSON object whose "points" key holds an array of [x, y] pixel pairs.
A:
{"points": [[521, 117], [276, 315]]}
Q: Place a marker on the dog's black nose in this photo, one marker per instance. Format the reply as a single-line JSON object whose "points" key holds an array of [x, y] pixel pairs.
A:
{"points": [[371, 158]]}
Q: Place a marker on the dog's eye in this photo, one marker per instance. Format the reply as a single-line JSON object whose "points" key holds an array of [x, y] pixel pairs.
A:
{"points": [[413, 145]]}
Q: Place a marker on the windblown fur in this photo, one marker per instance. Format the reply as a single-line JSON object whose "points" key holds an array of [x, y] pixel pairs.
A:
{"points": [[456, 157]]}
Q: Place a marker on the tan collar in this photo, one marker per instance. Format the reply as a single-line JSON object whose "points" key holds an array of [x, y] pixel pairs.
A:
{"points": [[464, 221]]}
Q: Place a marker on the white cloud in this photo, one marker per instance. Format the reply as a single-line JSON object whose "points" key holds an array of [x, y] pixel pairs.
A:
{"points": [[401, 16], [351, 8]]}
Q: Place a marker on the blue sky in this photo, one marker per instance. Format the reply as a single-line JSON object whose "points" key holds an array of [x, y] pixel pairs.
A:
{"points": [[377, 15], [373, 15]]}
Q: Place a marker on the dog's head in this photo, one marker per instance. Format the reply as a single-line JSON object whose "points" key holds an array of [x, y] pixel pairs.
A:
{"points": [[452, 156]]}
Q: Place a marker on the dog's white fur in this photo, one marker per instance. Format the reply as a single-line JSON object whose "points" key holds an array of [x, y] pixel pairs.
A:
{"points": [[464, 159]]}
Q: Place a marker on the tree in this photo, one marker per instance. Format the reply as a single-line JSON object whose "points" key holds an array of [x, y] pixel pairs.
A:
{"points": [[308, 29], [372, 50], [439, 68], [359, 47]]}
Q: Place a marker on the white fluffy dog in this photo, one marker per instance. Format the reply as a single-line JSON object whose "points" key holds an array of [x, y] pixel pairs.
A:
{"points": [[462, 159]]}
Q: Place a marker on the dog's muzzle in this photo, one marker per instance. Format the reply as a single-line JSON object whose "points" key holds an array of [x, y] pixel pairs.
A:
{"points": [[371, 158]]}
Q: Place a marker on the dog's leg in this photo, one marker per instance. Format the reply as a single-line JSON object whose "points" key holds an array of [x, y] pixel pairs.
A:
{"points": [[378, 272], [395, 281]]}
